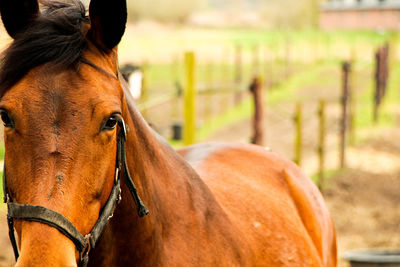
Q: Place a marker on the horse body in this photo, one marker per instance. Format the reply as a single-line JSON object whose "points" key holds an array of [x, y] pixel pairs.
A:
{"points": [[211, 204], [218, 204]]}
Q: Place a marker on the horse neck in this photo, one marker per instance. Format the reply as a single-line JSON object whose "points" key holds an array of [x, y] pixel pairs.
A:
{"points": [[160, 173], [169, 187]]}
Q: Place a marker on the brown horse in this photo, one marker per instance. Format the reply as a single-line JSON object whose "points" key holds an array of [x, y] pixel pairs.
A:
{"points": [[72, 131]]}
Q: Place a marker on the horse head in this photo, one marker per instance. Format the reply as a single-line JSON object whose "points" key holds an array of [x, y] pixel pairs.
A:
{"points": [[62, 105]]}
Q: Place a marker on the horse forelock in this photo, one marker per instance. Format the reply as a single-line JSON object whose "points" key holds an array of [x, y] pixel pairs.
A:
{"points": [[57, 36]]}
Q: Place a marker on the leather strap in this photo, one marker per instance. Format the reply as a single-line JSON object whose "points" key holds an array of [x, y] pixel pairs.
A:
{"points": [[47, 216], [141, 208], [54, 219], [10, 220], [5, 189], [11, 235]]}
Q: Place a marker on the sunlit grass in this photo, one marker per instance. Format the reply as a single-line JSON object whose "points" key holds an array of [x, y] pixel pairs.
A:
{"points": [[158, 44]]}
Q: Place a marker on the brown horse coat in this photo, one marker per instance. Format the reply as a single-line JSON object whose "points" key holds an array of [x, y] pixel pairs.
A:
{"points": [[275, 208], [235, 205]]}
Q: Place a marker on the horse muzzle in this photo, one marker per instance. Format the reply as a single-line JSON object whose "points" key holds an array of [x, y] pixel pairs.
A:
{"points": [[43, 246]]}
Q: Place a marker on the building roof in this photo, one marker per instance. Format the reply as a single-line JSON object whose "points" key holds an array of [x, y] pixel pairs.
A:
{"points": [[335, 5]]}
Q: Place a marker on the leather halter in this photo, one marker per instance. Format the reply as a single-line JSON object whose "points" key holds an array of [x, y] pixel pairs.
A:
{"points": [[54, 219]]}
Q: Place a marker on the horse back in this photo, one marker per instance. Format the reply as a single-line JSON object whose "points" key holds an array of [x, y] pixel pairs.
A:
{"points": [[280, 213]]}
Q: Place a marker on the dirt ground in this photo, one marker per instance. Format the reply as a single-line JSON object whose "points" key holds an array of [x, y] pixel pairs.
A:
{"points": [[364, 199]]}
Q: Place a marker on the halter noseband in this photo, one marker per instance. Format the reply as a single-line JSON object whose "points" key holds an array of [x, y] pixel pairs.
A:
{"points": [[54, 219]]}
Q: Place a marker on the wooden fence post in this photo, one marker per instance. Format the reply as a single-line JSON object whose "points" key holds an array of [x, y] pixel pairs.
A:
{"points": [[321, 144], [258, 119], [346, 67], [189, 100], [298, 144]]}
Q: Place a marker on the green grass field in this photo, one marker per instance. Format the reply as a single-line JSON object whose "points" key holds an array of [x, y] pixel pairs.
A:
{"points": [[158, 44], [162, 50]]}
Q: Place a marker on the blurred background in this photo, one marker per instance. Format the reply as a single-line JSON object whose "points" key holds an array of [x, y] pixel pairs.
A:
{"points": [[325, 80]]}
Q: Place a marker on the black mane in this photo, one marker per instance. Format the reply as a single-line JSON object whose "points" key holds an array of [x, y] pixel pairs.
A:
{"points": [[55, 36]]}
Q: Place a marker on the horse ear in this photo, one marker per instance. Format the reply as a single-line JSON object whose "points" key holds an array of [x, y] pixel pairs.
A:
{"points": [[17, 14], [108, 21]]}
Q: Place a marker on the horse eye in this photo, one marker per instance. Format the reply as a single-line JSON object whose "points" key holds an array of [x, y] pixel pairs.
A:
{"points": [[111, 123], [7, 121]]}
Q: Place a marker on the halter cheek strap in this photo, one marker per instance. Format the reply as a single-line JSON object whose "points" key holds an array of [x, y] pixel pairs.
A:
{"points": [[121, 159], [54, 219]]}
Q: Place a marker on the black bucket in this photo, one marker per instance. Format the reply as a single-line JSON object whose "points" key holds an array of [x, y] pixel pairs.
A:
{"points": [[177, 131], [373, 258]]}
